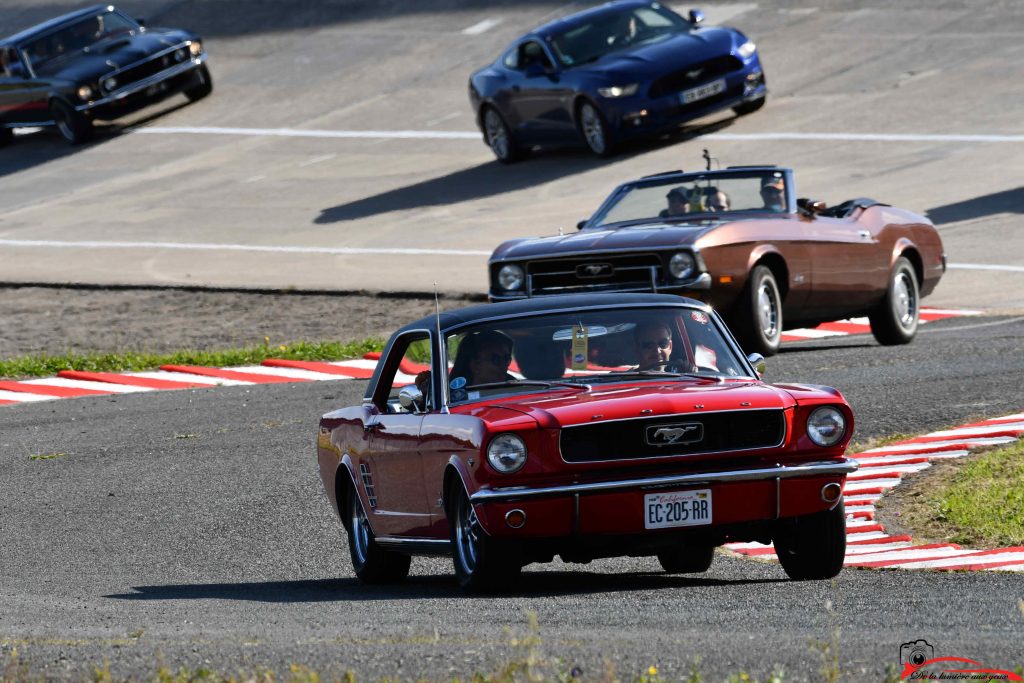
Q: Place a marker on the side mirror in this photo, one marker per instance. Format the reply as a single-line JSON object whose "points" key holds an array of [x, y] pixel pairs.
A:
{"points": [[140, 21], [757, 360], [579, 226], [696, 17], [411, 398]]}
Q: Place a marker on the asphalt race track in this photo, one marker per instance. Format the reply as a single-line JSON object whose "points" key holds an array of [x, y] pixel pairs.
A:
{"points": [[188, 527]]}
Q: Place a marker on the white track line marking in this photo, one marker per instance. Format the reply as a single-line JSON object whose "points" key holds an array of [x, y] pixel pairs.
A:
{"points": [[194, 379], [982, 266], [85, 384], [317, 160], [294, 373], [20, 397], [333, 251], [473, 135], [480, 27]]}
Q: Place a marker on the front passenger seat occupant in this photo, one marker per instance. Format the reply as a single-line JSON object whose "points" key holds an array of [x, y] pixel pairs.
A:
{"points": [[773, 194]]}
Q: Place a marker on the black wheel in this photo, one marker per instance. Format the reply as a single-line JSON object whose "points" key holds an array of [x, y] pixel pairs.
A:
{"points": [[372, 564], [6, 136], [687, 559], [595, 130], [895, 319], [814, 546], [482, 563], [749, 107], [498, 137], [203, 85], [759, 315], [72, 126]]}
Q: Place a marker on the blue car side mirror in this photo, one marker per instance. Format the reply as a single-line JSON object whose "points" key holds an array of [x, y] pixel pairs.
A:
{"points": [[696, 17]]}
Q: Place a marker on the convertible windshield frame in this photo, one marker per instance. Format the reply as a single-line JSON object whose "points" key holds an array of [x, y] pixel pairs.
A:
{"points": [[754, 176]]}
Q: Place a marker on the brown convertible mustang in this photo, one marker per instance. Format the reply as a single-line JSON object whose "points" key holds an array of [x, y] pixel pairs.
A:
{"points": [[740, 240]]}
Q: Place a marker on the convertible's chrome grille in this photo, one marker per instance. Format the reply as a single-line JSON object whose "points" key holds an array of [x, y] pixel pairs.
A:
{"points": [[600, 272], [694, 75], [673, 435], [144, 69]]}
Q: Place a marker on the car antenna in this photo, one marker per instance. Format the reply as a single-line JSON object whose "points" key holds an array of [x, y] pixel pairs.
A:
{"points": [[708, 159], [440, 349]]}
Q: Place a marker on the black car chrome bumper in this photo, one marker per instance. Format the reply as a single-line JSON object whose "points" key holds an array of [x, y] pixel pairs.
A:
{"points": [[140, 86], [700, 283], [842, 466]]}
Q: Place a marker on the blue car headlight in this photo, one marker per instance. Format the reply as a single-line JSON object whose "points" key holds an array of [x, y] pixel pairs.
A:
{"points": [[747, 49], [619, 90]]}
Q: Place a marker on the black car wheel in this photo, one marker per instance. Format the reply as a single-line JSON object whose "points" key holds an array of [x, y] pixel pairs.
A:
{"points": [[72, 126], [482, 563], [749, 107], [203, 85], [595, 130], [895, 319], [812, 546], [759, 323], [372, 563], [498, 137], [687, 559]]}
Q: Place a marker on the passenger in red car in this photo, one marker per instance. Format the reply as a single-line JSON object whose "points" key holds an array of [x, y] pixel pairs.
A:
{"points": [[483, 358], [653, 345]]}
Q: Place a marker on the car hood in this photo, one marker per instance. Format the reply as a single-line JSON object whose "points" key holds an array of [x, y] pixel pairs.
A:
{"points": [[678, 51], [110, 55], [618, 402], [648, 236]]}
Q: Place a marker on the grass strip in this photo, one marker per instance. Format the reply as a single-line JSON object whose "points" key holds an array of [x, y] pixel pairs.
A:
{"points": [[43, 365]]}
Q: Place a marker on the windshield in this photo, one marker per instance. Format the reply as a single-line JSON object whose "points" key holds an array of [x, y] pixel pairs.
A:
{"points": [[608, 32], [77, 37], [516, 355], [699, 193]]}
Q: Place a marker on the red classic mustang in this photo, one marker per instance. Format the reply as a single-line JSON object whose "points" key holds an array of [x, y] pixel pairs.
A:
{"points": [[583, 426]]}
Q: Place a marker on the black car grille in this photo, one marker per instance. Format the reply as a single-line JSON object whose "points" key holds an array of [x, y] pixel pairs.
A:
{"points": [[616, 272], [143, 70], [694, 75], [701, 433]]}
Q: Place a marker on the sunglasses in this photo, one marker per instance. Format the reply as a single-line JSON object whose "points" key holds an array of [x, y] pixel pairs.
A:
{"points": [[771, 190], [502, 360], [651, 344]]}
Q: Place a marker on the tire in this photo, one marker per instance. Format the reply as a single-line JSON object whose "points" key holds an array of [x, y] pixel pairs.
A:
{"points": [[482, 563], [895, 319], [687, 559], [6, 136], [749, 107], [372, 564], [595, 131], [203, 87], [814, 546], [759, 316], [71, 125], [498, 137]]}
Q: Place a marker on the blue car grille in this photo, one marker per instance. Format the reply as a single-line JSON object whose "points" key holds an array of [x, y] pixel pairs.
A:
{"points": [[613, 272], [628, 439], [694, 75]]}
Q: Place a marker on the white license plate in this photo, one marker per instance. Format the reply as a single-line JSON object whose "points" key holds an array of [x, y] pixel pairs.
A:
{"points": [[678, 508], [702, 92]]}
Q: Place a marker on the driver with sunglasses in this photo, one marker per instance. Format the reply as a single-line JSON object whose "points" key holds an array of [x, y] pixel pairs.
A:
{"points": [[653, 341]]}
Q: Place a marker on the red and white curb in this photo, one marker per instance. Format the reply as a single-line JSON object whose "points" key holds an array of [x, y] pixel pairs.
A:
{"points": [[843, 328], [867, 542]]}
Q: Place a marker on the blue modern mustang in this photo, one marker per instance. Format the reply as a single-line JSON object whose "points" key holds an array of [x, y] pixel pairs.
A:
{"points": [[614, 72]]}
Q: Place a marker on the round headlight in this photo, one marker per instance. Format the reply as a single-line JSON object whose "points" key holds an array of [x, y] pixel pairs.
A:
{"points": [[826, 426], [85, 93], [110, 84], [507, 453], [195, 48], [179, 55], [681, 265], [510, 277], [747, 49]]}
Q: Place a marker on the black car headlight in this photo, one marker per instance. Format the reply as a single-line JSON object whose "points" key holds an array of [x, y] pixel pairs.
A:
{"points": [[506, 453], [681, 265], [510, 277], [826, 426], [85, 92], [110, 84]]}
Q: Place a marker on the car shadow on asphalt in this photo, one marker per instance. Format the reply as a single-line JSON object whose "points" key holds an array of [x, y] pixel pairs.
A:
{"points": [[1007, 201], [35, 148], [493, 178], [531, 584]]}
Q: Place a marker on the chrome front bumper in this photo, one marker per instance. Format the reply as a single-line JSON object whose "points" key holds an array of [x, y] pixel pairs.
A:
{"points": [[842, 466]]}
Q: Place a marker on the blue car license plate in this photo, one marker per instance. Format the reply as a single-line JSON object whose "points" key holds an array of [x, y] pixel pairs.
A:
{"points": [[702, 92]]}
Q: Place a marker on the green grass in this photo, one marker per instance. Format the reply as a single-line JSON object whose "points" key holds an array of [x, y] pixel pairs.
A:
{"points": [[43, 365], [984, 502]]}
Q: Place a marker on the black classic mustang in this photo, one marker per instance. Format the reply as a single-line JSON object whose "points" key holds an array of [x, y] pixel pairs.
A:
{"points": [[96, 63], [622, 70]]}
